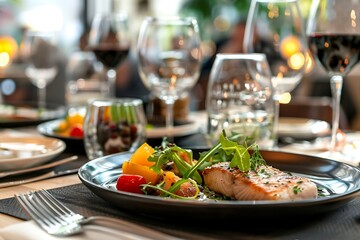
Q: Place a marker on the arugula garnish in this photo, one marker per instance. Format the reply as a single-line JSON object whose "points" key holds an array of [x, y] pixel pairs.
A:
{"points": [[171, 191], [227, 150], [239, 155], [171, 153]]}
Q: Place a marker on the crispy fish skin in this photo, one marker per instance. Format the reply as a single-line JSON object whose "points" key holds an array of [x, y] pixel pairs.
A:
{"points": [[266, 183]]}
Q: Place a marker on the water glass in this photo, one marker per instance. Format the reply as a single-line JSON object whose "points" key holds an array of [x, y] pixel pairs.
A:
{"points": [[41, 58], [84, 79], [113, 125], [240, 99]]}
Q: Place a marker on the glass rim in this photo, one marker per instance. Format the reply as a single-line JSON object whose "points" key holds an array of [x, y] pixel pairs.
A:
{"points": [[121, 15], [275, 1], [99, 102], [242, 56], [166, 20]]}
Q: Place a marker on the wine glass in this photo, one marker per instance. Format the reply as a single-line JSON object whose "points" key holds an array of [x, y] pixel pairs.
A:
{"points": [[41, 60], [333, 33], [169, 59], [275, 28], [240, 99], [109, 39]]}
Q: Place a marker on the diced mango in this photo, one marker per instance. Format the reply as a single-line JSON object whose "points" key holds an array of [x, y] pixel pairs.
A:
{"points": [[137, 169], [142, 154], [75, 119], [169, 178], [62, 127]]}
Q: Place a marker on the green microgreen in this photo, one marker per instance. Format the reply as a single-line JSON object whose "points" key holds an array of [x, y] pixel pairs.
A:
{"points": [[172, 153], [170, 192], [297, 189], [321, 192], [227, 150]]}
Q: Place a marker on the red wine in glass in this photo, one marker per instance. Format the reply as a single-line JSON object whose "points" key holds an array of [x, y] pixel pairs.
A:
{"points": [[110, 56], [334, 38], [109, 39], [337, 53]]}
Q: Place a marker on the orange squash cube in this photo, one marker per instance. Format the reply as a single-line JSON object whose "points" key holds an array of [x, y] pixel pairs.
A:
{"points": [[169, 178], [137, 169], [142, 154]]}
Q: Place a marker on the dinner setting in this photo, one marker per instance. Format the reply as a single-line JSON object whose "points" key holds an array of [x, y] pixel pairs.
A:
{"points": [[184, 119]]}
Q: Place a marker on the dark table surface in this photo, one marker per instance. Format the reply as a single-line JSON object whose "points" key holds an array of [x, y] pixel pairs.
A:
{"points": [[341, 223]]}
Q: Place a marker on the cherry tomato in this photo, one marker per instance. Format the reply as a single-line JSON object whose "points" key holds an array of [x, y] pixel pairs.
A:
{"points": [[76, 131], [130, 183]]}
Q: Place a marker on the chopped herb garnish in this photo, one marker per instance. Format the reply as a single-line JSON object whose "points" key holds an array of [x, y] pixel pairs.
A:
{"points": [[229, 150], [321, 192], [170, 192], [297, 189]]}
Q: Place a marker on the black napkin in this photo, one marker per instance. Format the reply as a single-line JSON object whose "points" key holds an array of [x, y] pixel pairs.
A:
{"points": [[341, 224]]}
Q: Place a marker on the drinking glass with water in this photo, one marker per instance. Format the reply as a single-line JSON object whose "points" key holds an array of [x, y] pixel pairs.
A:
{"points": [[239, 98]]}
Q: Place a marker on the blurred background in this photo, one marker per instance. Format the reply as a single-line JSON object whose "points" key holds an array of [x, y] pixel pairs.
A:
{"points": [[79, 76]]}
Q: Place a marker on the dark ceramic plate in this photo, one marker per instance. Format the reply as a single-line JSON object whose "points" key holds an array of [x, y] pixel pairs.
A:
{"points": [[338, 181], [73, 144], [17, 114]]}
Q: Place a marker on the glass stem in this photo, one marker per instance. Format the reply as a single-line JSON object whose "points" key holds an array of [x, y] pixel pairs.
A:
{"points": [[42, 96], [1, 96], [276, 117], [336, 83], [169, 119], [111, 76]]}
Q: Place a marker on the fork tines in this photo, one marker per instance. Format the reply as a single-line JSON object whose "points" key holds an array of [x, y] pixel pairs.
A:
{"points": [[42, 207]]}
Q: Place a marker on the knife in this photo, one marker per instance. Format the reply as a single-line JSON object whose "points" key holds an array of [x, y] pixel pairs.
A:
{"points": [[48, 175], [37, 168]]}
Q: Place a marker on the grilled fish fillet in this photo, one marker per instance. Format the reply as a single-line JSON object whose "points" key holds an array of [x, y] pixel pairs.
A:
{"points": [[266, 183]]}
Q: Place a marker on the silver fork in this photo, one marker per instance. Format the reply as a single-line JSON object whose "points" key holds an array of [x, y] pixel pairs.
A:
{"points": [[56, 219]]}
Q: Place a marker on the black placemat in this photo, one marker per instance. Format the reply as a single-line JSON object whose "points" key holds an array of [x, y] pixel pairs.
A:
{"points": [[341, 224]]}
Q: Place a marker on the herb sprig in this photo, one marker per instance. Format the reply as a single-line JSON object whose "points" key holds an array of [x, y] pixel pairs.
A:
{"points": [[171, 153], [176, 186], [227, 149]]}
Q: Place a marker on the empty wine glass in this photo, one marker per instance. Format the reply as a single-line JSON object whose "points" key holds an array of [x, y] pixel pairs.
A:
{"points": [[275, 28], [110, 40], [41, 59], [333, 31], [240, 98], [169, 58]]}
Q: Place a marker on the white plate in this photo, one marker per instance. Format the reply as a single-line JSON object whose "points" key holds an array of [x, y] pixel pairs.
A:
{"points": [[25, 152], [191, 127], [302, 127]]}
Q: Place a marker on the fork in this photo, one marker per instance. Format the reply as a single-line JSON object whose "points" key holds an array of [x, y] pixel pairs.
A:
{"points": [[58, 220]]}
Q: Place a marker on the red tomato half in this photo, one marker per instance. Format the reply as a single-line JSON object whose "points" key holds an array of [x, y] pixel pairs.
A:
{"points": [[76, 131], [130, 183]]}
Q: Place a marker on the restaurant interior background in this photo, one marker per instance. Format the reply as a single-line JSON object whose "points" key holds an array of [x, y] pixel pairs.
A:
{"points": [[221, 23]]}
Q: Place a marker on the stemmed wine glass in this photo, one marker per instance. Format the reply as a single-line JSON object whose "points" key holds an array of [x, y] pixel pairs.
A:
{"points": [[275, 28], [169, 58], [110, 41], [333, 32], [41, 60], [240, 99]]}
